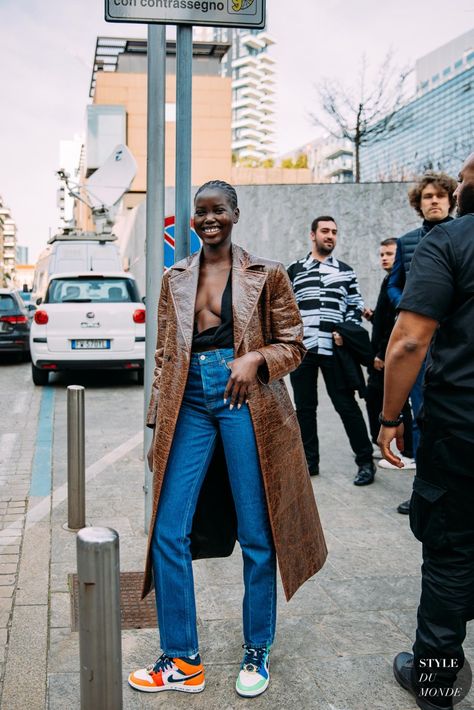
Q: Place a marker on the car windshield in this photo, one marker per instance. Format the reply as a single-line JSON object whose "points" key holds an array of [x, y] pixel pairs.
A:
{"points": [[7, 303], [92, 290]]}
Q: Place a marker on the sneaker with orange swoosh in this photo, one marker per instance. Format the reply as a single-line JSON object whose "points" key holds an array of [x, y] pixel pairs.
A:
{"points": [[182, 674]]}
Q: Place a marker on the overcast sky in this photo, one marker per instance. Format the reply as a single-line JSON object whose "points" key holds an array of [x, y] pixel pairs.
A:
{"points": [[47, 50]]}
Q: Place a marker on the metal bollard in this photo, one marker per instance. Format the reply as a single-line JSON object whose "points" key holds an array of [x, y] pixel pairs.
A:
{"points": [[98, 571], [76, 487]]}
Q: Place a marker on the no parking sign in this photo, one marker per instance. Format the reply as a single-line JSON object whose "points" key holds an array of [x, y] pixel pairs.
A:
{"points": [[195, 242]]}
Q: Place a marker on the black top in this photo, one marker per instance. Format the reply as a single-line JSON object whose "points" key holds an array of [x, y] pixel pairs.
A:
{"points": [[219, 336], [440, 285], [383, 321]]}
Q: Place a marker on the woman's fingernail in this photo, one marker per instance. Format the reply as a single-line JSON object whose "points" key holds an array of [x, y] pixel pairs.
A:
{"points": [[239, 406], [246, 401], [225, 401], [231, 406]]}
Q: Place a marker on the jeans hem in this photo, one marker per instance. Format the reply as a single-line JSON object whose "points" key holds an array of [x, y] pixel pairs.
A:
{"points": [[180, 654], [248, 644]]}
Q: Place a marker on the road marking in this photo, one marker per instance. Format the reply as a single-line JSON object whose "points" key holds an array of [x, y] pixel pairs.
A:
{"points": [[7, 446], [42, 460], [20, 403], [41, 510]]}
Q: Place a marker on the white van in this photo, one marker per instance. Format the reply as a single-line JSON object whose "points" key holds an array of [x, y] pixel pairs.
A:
{"points": [[75, 251]]}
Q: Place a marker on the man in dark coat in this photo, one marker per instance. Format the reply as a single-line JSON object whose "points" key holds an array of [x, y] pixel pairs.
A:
{"points": [[383, 320], [437, 309], [432, 198]]}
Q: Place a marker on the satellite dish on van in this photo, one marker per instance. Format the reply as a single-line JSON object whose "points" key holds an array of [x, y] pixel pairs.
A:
{"points": [[110, 182]]}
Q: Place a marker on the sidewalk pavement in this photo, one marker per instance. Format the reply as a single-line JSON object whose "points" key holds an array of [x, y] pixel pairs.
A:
{"points": [[335, 640]]}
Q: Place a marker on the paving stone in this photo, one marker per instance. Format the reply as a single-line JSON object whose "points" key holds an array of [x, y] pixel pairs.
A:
{"points": [[27, 647], [359, 683], [358, 633]]}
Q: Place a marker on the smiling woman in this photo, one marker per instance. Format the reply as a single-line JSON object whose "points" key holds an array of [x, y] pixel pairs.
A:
{"points": [[227, 455]]}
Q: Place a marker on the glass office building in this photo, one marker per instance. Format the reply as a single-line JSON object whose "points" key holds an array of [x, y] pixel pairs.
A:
{"points": [[433, 132]]}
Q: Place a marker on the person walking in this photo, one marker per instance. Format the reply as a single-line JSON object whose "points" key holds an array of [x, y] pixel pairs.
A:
{"points": [[437, 310], [227, 457], [433, 199], [327, 294], [383, 320]]}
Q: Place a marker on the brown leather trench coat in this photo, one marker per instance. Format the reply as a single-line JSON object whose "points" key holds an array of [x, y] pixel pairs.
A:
{"points": [[266, 318]]}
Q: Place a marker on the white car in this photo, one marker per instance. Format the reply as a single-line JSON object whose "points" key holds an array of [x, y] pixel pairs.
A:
{"points": [[88, 321]]}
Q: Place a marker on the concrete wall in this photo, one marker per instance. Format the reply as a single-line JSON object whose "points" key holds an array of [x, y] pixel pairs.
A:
{"points": [[275, 223]]}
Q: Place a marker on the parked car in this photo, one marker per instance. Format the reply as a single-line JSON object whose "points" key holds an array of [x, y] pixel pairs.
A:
{"points": [[14, 323], [89, 321]]}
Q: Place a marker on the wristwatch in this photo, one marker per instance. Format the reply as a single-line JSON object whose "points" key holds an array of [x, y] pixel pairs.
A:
{"points": [[390, 422]]}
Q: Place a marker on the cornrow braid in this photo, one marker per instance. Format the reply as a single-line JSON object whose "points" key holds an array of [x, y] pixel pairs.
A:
{"points": [[227, 189]]}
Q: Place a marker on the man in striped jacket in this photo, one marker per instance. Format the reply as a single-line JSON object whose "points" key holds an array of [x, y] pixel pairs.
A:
{"points": [[327, 294]]}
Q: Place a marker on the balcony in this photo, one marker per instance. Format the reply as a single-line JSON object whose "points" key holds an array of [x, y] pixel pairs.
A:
{"points": [[253, 41]]}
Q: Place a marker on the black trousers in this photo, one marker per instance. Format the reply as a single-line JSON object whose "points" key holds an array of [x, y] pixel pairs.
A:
{"points": [[442, 517], [304, 381], [374, 403]]}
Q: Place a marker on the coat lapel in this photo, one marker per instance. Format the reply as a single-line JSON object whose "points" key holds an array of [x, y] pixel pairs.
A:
{"points": [[183, 287], [247, 285]]}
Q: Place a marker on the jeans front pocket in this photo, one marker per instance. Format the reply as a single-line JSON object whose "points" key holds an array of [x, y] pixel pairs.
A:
{"points": [[428, 514]]}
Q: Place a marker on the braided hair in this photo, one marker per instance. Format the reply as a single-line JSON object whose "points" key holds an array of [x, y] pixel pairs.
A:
{"points": [[227, 189]]}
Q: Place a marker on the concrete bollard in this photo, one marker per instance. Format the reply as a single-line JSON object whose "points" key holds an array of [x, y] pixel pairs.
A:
{"points": [[100, 642], [76, 469]]}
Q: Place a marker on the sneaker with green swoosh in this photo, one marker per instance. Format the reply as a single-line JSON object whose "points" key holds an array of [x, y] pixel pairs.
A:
{"points": [[254, 676]]}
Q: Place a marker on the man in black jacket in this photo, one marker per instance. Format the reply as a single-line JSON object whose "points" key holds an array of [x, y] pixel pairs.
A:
{"points": [[433, 199], [437, 312], [328, 296], [383, 320]]}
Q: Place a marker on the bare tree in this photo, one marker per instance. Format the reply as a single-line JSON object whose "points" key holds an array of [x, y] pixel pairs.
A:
{"points": [[363, 116]]}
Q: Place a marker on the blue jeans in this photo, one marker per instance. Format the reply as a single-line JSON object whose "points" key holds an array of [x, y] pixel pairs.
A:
{"points": [[416, 397], [202, 417]]}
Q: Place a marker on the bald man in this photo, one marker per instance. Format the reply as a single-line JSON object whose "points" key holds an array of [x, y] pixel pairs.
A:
{"points": [[438, 304]]}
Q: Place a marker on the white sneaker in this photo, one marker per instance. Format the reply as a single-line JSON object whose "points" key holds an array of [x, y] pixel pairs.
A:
{"points": [[376, 453], [407, 463]]}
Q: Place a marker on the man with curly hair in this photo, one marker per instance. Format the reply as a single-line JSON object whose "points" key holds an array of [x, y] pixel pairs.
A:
{"points": [[433, 199]]}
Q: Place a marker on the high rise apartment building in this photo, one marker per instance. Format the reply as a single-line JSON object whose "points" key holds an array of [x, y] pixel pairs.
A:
{"points": [[250, 65], [8, 232], [435, 130]]}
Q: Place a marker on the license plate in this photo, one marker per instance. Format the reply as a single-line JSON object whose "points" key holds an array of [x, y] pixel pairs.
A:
{"points": [[91, 344]]}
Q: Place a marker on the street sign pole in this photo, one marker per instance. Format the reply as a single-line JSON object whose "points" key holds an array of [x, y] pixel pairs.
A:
{"points": [[248, 14], [155, 218], [184, 71]]}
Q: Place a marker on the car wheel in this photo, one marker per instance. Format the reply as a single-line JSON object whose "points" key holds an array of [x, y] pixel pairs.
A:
{"points": [[140, 376], [40, 377]]}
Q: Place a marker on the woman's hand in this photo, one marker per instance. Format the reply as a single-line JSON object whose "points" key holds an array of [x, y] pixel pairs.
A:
{"points": [[243, 374]]}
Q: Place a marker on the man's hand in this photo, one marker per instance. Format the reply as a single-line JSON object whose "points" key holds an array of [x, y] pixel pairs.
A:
{"points": [[243, 374], [378, 363], [386, 435], [338, 339]]}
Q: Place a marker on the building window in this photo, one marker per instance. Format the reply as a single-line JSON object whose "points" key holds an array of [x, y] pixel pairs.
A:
{"points": [[435, 78], [446, 71], [458, 64], [470, 57]]}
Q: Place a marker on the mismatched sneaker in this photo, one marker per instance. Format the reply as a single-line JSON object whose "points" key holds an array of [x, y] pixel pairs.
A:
{"points": [[182, 674]]}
